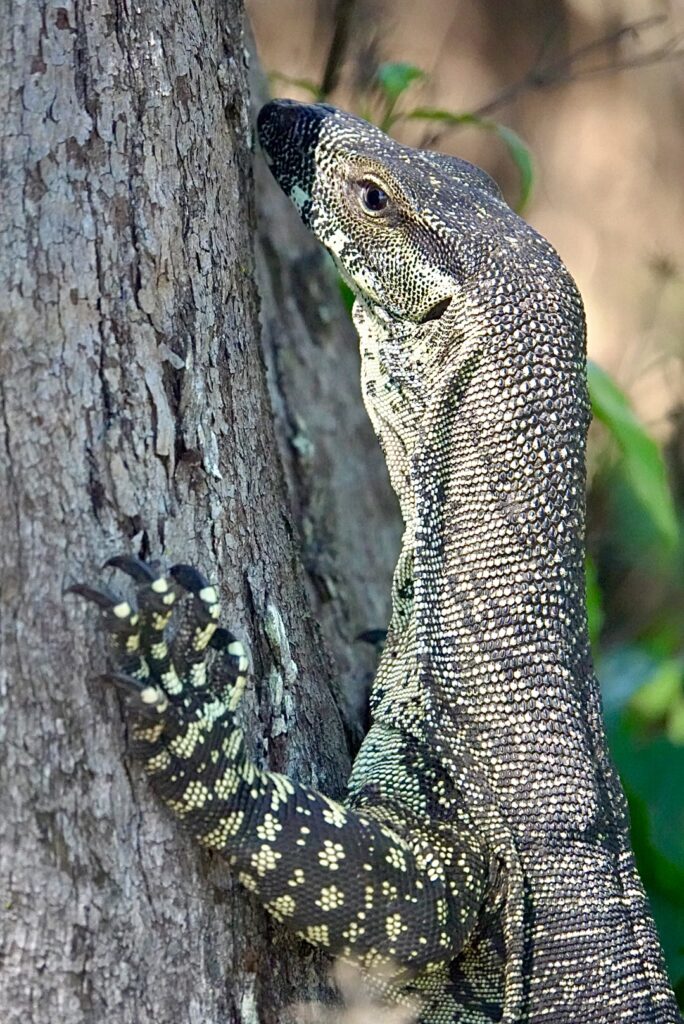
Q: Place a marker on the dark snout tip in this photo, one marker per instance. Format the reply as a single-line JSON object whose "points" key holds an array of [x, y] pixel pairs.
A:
{"points": [[279, 119], [289, 135], [278, 112]]}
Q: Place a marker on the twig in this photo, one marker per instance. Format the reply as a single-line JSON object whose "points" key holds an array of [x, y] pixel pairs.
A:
{"points": [[343, 18], [565, 70]]}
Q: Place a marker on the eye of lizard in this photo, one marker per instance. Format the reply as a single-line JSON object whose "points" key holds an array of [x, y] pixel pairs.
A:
{"points": [[373, 196]]}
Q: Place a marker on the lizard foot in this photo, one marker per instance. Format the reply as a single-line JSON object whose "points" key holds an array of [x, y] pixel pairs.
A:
{"points": [[180, 696]]}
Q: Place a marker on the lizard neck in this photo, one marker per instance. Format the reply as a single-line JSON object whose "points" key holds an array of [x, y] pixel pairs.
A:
{"points": [[484, 431], [396, 359], [392, 400]]}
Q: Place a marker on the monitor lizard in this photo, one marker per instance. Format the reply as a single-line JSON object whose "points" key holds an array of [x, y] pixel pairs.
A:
{"points": [[481, 863]]}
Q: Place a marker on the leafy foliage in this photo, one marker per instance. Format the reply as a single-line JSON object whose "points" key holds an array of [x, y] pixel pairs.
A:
{"points": [[395, 79], [643, 464], [517, 149], [642, 677]]}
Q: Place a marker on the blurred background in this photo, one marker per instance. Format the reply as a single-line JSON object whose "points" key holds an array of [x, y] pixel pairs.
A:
{"points": [[576, 107]]}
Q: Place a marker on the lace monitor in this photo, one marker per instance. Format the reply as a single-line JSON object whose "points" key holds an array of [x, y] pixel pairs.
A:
{"points": [[483, 851]]}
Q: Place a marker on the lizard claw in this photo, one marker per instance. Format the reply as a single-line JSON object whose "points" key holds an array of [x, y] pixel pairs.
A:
{"points": [[100, 596], [168, 677], [148, 701], [121, 617], [155, 594], [134, 567], [206, 600], [221, 638], [189, 578]]}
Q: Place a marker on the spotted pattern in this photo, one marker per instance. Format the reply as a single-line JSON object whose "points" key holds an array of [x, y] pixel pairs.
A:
{"points": [[486, 710], [482, 864], [343, 878]]}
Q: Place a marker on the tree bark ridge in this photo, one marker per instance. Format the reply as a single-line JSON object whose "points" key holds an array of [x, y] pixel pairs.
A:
{"points": [[136, 415]]}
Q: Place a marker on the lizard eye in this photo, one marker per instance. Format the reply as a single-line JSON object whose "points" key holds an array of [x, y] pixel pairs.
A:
{"points": [[373, 196]]}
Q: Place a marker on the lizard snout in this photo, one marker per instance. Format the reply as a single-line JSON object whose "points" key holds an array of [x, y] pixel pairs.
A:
{"points": [[288, 133]]}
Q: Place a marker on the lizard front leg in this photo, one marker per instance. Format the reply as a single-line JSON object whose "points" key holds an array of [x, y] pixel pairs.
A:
{"points": [[339, 878]]}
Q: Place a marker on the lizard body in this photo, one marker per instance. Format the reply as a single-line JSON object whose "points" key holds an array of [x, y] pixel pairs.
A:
{"points": [[484, 850]]}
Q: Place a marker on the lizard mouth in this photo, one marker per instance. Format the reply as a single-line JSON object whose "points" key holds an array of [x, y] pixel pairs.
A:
{"points": [[436, 311]]}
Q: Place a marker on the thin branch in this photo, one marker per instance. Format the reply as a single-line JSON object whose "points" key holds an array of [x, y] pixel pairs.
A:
{"points": [[343, 16], [566, 70]]}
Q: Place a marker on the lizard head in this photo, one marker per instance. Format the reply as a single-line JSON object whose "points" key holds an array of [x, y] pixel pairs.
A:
{"points": [[407, 228]]}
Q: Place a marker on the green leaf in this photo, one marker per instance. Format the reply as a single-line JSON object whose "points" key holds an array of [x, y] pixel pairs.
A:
{"points": [[622, 671], [652, 771], [664, 882], [347, 294], [675, 723], [643, 463], [518, 150], [657, 697], [394, 78], [522, 158], [301, 83], [446, 116]]}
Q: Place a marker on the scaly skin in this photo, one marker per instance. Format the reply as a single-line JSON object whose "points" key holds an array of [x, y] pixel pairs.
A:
{"points": [[482, 858]]}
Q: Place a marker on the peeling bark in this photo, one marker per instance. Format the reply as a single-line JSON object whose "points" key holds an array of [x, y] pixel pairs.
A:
{"points": [[142, 409]]}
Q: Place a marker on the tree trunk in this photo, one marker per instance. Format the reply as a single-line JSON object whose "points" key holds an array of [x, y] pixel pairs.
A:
{"points": [[137, 415]]}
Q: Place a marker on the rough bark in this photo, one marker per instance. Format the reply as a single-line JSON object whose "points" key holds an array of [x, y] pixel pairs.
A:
{"points": [[137, 414]]}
